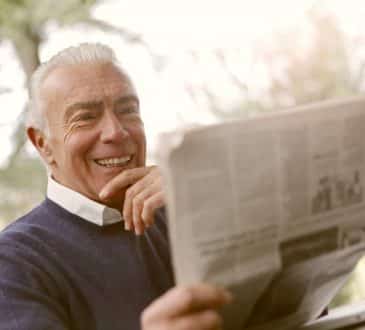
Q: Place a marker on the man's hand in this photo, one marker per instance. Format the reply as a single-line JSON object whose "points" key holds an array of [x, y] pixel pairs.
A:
{"points": [[186, 308], [143, 195]]}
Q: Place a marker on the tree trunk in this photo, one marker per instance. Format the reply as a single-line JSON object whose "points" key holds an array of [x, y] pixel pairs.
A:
{"points": [[27, 50]]}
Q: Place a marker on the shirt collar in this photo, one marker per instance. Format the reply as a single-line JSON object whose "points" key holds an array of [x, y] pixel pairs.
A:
{"points": [[80, 205]]}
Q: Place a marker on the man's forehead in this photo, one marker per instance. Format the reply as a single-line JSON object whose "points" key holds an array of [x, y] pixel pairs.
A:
{"points": [[97, 90], [87, 81]]}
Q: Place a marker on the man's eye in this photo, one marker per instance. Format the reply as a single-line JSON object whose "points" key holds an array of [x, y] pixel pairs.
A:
{"points": [[86, 116], [127, 110]]}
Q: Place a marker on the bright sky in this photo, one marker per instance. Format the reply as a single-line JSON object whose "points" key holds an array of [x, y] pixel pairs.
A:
{"points": [[173, 29]]}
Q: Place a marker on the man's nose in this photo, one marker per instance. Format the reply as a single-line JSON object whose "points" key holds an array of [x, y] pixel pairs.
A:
{"points": [[112, 129]]}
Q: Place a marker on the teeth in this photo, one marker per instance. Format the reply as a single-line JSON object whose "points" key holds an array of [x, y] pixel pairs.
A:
{"points": [[109, 162]]}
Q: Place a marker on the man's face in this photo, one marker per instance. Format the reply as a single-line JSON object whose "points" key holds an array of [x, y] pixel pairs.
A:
{"points": [[95, 128]]}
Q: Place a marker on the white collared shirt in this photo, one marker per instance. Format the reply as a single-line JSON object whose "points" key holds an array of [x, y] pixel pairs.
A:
{"points": [[80, 205]]}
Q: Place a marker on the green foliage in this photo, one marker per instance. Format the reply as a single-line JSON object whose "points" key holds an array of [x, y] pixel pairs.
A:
{"points": [[22, 186], [34, 14]]}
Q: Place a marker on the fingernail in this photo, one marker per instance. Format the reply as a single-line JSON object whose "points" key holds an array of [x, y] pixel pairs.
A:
{"points": [[103, 194], [127, 226], [138, 232]]}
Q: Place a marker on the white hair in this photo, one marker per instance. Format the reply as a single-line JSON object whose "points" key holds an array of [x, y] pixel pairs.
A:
{"points": [[81, 54]]}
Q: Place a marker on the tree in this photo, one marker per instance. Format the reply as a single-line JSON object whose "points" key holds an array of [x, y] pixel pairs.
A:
{"points": [[318, 72], [301, 65]]}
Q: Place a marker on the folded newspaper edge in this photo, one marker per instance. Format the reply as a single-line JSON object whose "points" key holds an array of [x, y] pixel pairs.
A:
{"points": [[339, 317]]}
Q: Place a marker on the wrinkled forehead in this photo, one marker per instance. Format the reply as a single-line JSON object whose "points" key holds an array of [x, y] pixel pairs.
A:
{"points": [[86, 82]]}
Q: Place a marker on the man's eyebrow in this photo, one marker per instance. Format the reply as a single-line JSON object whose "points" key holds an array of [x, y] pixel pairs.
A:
{"points": [[127, 99], [90, 105]]}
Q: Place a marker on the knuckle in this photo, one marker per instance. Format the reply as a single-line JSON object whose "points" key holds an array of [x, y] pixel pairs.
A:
{"points": [[138, 201], [126, 210], [148, 206], [129, 192]]}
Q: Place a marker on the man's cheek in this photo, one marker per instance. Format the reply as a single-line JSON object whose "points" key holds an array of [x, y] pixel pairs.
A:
{"points": [[73, 129], [69, 130]]}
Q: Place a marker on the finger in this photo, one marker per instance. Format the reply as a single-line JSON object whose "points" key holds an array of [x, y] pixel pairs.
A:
{"points": [[131, 194], [139, 228], [128, 225], [137, 206], [123, 180], [205, 320], [150, 177], [150, 206], [136, 189], [139, 203], [182, 300]]}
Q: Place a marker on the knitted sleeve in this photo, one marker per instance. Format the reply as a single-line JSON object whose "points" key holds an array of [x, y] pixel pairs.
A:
{"points": [[27, 296]]}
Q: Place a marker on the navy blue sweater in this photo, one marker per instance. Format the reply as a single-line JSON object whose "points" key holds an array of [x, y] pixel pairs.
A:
{"points": [[58, 271]]}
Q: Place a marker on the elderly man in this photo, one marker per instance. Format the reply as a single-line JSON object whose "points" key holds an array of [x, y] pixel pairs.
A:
{"points": [[69, 263]]}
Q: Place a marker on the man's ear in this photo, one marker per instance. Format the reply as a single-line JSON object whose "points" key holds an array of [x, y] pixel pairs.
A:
{"points": [[41, 143]]}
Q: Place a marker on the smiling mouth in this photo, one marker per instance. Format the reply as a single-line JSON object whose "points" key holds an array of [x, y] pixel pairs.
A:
{"points": [[114, 162]]}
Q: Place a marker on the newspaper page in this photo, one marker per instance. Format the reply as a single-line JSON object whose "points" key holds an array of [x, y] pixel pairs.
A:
{"points": [[215, 207], [271, 208], [322, 211]]}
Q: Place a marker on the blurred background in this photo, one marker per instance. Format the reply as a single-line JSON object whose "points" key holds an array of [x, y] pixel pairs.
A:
{"points": [[193, 62]]}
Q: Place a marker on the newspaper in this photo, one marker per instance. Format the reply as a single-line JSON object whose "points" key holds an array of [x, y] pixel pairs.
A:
{"points": [[271, 208]]}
